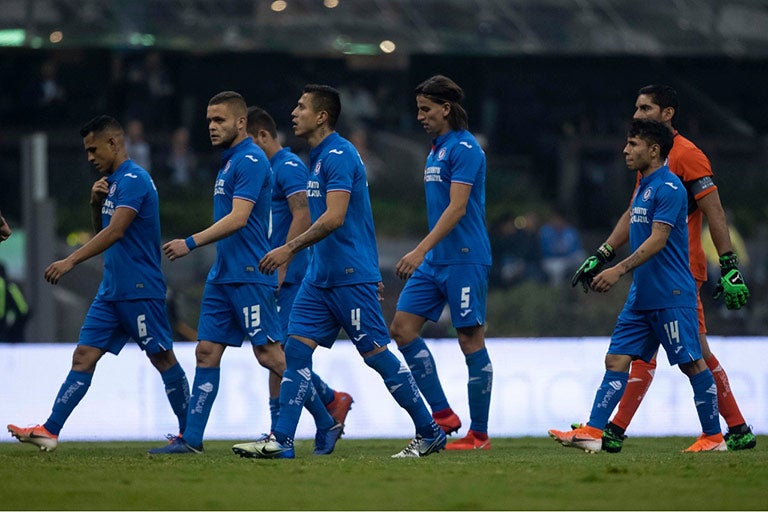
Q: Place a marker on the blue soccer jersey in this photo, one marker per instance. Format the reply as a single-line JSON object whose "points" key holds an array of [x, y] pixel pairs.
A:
{"points": [[349, 254], [290, 177], [132, 264], [245, 174], [456, 157], [665, 280]]}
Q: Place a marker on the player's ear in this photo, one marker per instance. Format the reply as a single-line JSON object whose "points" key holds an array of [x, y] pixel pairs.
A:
{"points": [[667, 114]]}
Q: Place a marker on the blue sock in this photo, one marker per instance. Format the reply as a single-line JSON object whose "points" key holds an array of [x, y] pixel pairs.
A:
{"points": [[204, 390], [71, 392], [403, 388], [177, 391], [607, 398], [274, 412], [705, 398], [479, 389], [323, 390], [295, 389], [316, 407], [422, 365]]}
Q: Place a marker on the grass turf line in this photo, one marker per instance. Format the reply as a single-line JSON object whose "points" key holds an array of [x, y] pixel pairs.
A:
{"points": [[516, 474]]}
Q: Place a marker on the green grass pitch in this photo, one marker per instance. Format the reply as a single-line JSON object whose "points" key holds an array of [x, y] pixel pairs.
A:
{"points": [[516, 474]]}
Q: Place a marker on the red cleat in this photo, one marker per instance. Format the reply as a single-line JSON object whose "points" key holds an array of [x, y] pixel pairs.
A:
{"points": [[447, 420], [472, 441], [340, 405]]}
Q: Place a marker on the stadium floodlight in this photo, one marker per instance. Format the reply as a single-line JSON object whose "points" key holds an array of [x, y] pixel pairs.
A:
{"points": [[12, 36]]}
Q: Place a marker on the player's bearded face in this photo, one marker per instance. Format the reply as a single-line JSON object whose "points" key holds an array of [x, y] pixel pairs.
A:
{"points": [[645, 108], [432, 116], [222, 126]]}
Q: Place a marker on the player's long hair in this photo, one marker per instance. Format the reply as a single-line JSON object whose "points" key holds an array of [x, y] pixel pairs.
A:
{"points": [[442, 89]]}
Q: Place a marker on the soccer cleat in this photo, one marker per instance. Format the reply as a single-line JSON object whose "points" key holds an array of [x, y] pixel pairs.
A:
{"points": [[422, 446], [740, 438], [266, 447], [470, 442], [176, 446], [613, 438], [340, 405], [325, 440], [448, 421], [37, 435], [705, 443], [589, 439]]}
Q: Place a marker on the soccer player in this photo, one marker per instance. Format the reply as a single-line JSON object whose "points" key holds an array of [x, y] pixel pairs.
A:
{"points": [[238, 301], [660, 103], [130, 303], [290, 217], [451, 264], [341, 287], [661, 306], [5, 229]]}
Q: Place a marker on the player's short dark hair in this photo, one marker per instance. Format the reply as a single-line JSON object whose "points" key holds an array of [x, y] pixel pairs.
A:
{"points": [[662, 95], [259, 119], [442, 89], [235, 101], [100, 124], [325, 99], [653, 132]]}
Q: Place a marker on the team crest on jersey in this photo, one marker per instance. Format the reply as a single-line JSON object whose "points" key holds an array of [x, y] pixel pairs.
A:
{"points": [[317, 168], [226, 167], [112, 188], [441, 153], [647, 194]]}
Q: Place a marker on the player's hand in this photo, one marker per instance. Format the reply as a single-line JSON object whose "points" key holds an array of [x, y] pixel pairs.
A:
{"points": [[99, 191], [380, 291], [274, 259], [5, 229], [592, 265], [731, 285], [175, 249], [409, 263], [605, 280], [57, 269]]}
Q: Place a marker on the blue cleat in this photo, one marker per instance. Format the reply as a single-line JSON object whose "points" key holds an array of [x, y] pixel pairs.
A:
{"points": [[325, 439], [176, 445], [266, 447]]}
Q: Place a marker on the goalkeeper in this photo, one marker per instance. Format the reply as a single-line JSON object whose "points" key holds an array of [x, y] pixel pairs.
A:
{"points": [[686, 160]]}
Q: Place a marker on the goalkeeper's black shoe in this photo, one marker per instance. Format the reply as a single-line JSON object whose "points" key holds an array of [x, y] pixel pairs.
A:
{"points": [[740, 438], [613, 438]]}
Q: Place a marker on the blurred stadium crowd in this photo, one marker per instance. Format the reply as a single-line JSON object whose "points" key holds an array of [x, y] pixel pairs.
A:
{"points": [[552, 126]]}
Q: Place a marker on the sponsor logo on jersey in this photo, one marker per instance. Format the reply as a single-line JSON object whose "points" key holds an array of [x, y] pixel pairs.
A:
{"points": [[336, 152], [252, 158], [465, 144], [292, 164], [674, 187]]}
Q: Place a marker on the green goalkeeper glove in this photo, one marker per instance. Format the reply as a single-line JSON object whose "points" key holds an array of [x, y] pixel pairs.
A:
{"points": [[592, 266], [731, 285]]}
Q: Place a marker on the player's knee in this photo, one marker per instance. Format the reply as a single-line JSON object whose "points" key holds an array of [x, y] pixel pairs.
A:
{"points": [[270, 356]]}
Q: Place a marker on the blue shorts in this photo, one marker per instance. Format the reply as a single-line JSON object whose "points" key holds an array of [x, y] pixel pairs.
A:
{"points": [[231, 313], [463, 287], [319, 313], [639, 334], [285, 298], [109, 325]]}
